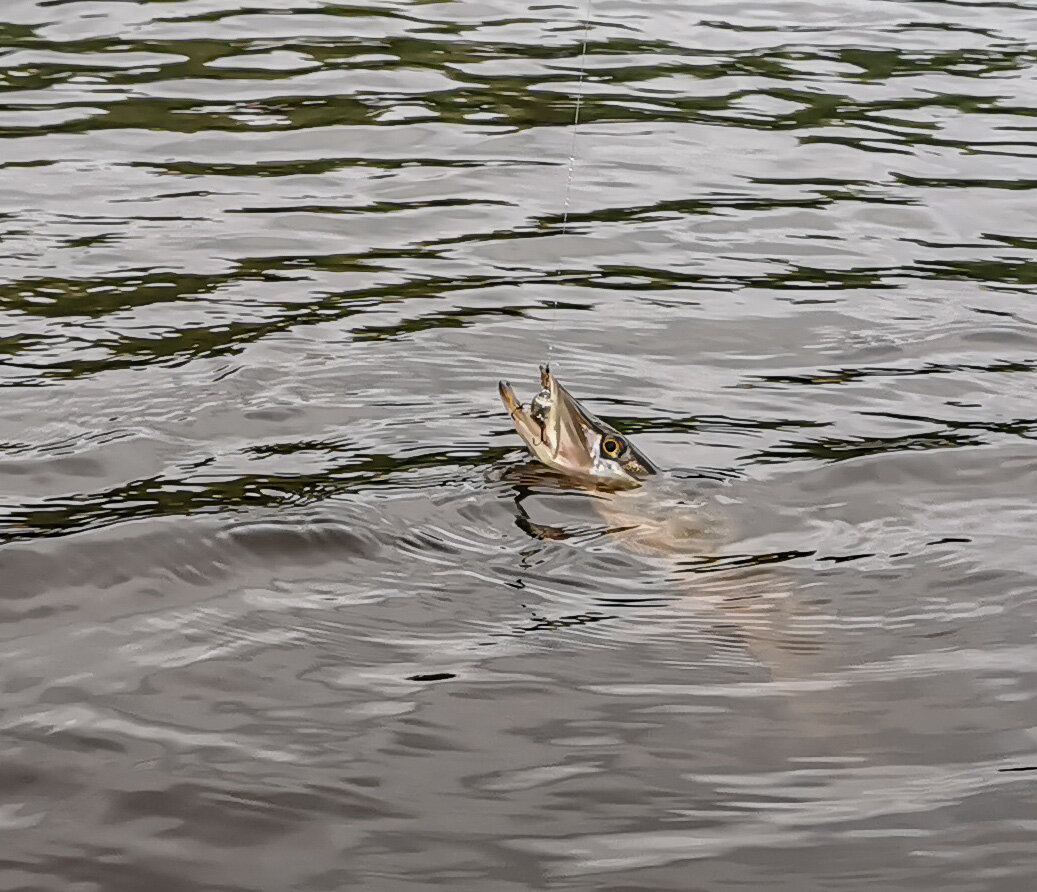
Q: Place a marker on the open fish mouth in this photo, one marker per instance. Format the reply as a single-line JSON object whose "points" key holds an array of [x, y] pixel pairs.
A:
{"points": [[563, 435]]}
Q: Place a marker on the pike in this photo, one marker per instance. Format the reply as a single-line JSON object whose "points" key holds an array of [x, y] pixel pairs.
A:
{"points": [[657, 521]]}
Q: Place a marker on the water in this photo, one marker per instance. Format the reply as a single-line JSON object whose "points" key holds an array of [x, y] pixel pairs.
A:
{"points": [[279, 610]]}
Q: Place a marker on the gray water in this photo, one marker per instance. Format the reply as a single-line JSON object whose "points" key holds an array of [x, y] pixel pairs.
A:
{"points": [[280, 607]]}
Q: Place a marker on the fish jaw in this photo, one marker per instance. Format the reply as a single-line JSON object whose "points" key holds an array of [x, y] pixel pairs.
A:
{"points": [[550, 434], [525, 426]]}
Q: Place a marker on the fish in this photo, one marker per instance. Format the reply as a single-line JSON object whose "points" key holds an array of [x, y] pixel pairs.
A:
{"points": [[651, 513], [563, 435], [591, 455]]}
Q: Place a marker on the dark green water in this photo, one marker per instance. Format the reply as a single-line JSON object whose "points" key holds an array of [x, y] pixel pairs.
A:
{"points": [[277, 610]]}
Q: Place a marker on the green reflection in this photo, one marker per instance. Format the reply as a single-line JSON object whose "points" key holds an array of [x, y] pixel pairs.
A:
{"points": [[194, 494], [833, 449]]}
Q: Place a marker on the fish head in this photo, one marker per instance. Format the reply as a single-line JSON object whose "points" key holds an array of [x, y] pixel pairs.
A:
{"points": [[563, 435]]}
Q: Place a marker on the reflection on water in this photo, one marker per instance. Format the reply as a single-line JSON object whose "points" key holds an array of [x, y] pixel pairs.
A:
{"points": [[283, 605]]}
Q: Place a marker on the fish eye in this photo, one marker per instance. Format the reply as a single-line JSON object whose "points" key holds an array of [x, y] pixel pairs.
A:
{"points": [[611, 446]]}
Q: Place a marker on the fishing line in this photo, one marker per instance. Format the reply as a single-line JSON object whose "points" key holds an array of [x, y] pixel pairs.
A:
{"points": [[572, 148]]}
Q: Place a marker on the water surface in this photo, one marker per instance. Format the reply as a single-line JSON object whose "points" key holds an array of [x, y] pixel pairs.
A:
{"points": [[279, 612]]}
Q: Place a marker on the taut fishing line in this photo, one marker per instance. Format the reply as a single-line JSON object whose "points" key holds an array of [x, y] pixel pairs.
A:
{"points": [[572, 148]]}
